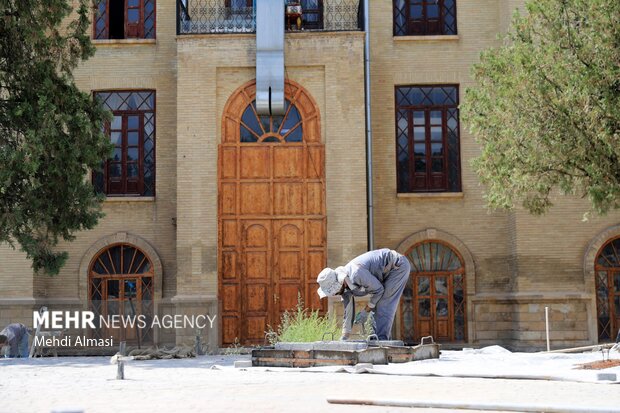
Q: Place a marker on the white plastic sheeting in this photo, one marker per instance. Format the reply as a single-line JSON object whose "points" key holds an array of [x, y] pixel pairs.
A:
{"points": [[497, 362]]}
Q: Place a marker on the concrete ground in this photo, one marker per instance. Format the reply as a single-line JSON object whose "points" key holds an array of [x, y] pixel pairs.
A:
{"points": [[195, 385]]}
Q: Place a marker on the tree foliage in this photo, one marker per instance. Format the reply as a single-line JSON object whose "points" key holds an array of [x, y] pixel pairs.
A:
{"points": [[50, 132], [546, 107]]}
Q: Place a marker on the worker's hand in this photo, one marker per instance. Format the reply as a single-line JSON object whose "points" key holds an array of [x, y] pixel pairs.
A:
{"points": [[361, 317]]}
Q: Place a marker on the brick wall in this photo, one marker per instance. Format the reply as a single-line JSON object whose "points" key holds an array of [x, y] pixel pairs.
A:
{"points": [[519, 263], [540, 259]]}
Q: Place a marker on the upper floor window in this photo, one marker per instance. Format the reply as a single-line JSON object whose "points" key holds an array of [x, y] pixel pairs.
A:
{"points": [[424, 17], [131, 169], [124, 19], [427, 139]]}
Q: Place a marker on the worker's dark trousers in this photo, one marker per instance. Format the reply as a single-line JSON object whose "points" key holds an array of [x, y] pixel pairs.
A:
{"points": [[394, 285]]}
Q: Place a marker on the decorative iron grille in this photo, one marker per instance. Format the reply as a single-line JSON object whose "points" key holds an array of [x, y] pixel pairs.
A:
{"points": [[230, 16]]}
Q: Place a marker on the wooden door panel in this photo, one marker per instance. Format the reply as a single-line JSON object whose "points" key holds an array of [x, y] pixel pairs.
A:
{"points": [[442, 330], [231, 329], [229, 236], [256, 296], [256, 279], [288, 274], [256, 326], [255, 162], [315, 263], [287, 298], [289, 234], [229, 266], [288, 162], [312, 301], [256, 265], [424, 328], [256, 234], [228, 162], [315, 198], [230, 298], [288, 198], [255, 198], [315, 163], [316, 233], [228, 199], [290, 266]]}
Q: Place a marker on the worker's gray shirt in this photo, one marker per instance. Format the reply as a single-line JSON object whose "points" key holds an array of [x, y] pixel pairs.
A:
{"points": [[367, 272], [14, 334]]}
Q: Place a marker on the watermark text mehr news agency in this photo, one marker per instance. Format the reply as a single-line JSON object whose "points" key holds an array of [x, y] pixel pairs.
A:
{"points": [[88, 319]]}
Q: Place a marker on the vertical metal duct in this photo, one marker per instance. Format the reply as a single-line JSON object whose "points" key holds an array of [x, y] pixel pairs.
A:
{"points": [[270, 57]]}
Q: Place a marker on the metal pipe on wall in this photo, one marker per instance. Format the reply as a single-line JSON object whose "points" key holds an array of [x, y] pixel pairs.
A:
{"points": [[369, 184]]}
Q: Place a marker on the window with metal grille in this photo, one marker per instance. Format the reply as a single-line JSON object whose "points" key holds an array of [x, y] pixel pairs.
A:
{"points": [[424, 17], [607, 283], [427, 139], [131, 169], [124, 19]]}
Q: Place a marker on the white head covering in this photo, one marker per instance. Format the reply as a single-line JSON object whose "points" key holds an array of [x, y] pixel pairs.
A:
{"points": [[330, 281]]}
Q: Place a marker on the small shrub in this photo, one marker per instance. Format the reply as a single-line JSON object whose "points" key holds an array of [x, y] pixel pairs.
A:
{"points": [[234, 349], [303, 325]]}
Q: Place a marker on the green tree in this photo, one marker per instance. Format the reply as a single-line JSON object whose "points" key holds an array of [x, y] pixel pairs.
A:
{"points": [[546, 107], [50, 132]]}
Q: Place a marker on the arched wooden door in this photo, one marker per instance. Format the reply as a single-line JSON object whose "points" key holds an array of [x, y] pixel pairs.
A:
{"points": [[607, 269], [271, 212], [121, 284], [433, 303]]}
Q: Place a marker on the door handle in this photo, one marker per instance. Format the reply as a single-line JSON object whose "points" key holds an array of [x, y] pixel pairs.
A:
{"points": [[275, 298]]}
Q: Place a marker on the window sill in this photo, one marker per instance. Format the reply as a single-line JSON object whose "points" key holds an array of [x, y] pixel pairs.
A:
{"points": [[129, 199], [431, 195], [448, 37], [122, 42]]}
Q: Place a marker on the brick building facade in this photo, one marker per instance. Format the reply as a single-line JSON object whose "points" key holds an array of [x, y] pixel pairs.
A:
{"points": [[222, 205]]}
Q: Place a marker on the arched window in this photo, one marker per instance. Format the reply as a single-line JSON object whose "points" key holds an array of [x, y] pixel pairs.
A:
{"points": [[607, 269], [271, 129], [121, 283], [433, 302]]}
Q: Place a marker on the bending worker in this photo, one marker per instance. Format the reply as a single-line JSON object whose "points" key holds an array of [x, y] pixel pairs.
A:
{"points": [[16, 337], [382, 274]]}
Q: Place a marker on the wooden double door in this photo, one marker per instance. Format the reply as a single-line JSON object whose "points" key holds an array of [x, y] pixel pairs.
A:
{"points": [[272, 234]]}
